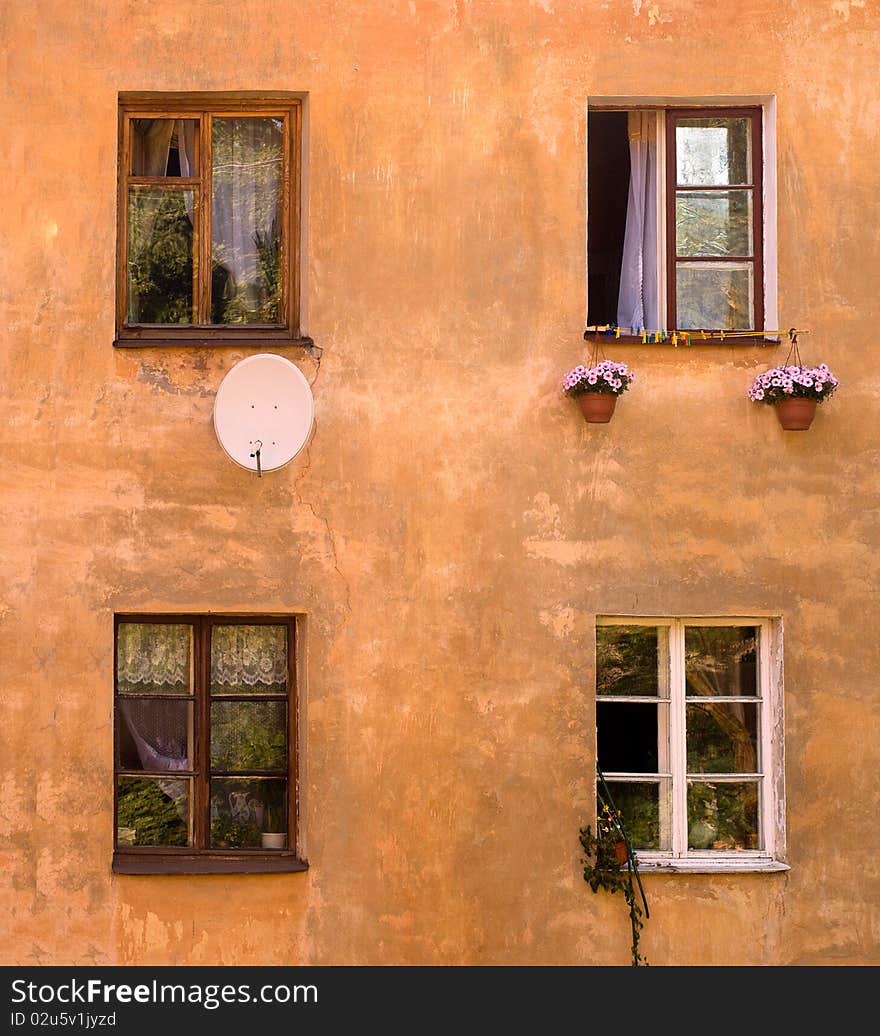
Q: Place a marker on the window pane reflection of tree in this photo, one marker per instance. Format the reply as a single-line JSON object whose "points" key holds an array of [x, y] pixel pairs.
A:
{"points": [[246, 240]]}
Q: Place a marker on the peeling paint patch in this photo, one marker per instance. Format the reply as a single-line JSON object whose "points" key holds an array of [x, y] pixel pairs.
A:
{"points": [[159, 380], [544, 516], [842, 7], [397, 921], [563, 552], [655, 16], [560, 621]]}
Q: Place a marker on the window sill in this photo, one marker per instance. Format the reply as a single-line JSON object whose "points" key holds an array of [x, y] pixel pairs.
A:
{"points": [[208, 863], [703, 865], [695, 343], [213, 342]]}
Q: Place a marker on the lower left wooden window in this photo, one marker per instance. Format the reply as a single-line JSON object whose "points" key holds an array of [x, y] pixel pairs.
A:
{"points": [[205, 744]]}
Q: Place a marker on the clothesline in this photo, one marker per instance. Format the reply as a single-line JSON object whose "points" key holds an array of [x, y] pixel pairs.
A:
{"points": [[684, 337]]}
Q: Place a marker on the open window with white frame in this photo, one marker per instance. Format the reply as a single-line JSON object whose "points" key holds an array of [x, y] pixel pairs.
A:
{"points": [[689, 738], [681, 215]]}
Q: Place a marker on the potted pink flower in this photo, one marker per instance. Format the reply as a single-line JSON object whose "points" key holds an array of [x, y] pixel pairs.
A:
{"points": [[794, 392], [596, 388]]}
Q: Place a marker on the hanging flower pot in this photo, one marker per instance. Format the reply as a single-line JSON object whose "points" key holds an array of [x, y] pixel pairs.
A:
{"points": [[596, 388], [795, 413], [794, 390], [597, 407]]}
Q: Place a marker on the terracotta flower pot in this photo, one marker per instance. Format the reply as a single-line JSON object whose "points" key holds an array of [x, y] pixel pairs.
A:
{"points": [[795, 415], [597, 407], [620, 852]]}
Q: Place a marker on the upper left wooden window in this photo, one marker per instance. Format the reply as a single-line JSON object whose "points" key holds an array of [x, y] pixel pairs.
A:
{"points": [[208, 221]]}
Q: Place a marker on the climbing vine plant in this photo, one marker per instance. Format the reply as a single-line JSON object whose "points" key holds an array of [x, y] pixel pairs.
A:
{"points": [[610, 864]]}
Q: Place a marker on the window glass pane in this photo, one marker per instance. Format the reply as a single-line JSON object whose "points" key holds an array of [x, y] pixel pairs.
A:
{"points": [[722, 737], [721, 660], [155, 735], [163, 147], [646, 812], [713, 223], [154, 658], [723, 815], [249, 660], [244, 810], [247, 168], [160, 256], [247, 735], [714, 296], [631, 736], [713, 152], [632, 660], [152, 811]]}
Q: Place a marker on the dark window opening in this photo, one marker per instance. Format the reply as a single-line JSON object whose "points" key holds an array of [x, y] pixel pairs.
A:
{"points": [[608, 170], [627, 737]]}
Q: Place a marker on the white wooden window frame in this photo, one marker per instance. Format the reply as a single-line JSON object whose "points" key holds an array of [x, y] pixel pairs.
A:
{"points": [[767, 104], [770, 779]]}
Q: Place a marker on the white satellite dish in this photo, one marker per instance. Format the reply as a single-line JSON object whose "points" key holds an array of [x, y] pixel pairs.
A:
{"points": [[263, 412]]}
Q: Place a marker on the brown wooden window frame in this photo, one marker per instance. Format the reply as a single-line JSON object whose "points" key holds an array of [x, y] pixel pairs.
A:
{"points": [[672, 188], [203, 107], [200, 858], [670, 260]]}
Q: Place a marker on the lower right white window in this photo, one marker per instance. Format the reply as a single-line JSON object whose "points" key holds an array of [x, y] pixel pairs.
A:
{"points": [[689, 739]]}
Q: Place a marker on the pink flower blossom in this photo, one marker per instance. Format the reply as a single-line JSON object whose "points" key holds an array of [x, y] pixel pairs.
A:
{"points": [[606, 376], [793, 381]]}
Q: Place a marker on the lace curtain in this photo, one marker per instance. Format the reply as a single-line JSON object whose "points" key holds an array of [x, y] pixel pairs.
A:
{"points": [[249, 659], [153, 658]]}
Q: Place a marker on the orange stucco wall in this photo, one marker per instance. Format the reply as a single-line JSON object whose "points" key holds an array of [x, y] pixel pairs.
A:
{"points": [[454, 527]]}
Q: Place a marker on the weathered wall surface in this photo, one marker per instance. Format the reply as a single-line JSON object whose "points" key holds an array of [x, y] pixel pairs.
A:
{"points": [[454, 527]]}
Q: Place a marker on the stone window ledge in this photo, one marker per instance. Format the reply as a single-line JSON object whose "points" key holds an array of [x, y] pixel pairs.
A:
{"points": [[208, 863], [702, 865]]}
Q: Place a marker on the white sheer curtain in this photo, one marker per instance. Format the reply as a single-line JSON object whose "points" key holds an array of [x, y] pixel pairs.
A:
{"points": [[186, 153], [186, 146], [638, 304], [154, 140], [159, 732], [247, 165]]}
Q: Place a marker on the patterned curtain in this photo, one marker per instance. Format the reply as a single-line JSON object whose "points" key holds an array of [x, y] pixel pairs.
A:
{"points": [[153, 658], [249, 659]]}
